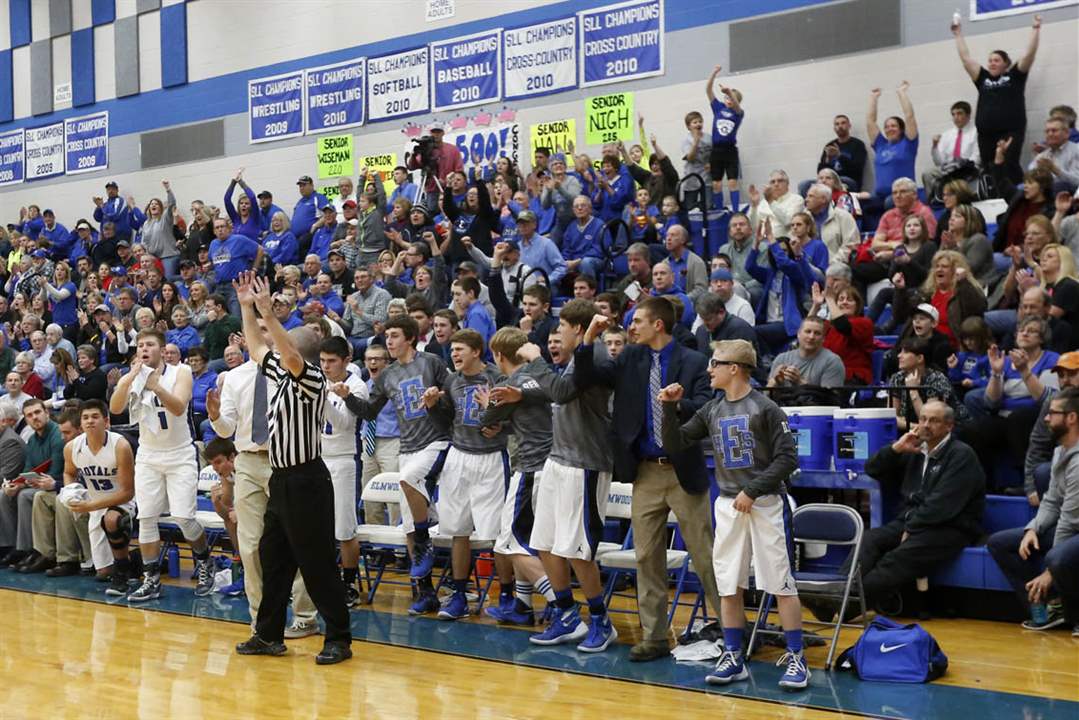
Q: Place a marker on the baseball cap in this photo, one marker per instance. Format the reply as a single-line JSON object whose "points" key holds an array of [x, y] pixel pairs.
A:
{"points": [[349, 204], [47, 211], [721, 274], [927, 309], [282, 298], [102, 308], [526, 216], [123, 243], [187, 264], [111, 184], [1068, 361], [336, 252], [82, 225], [437, 125], [559, 157], [265, 194], [119, 270], [468, 266], [304, 179], [39, 253], [329, 206], [513, 241]]}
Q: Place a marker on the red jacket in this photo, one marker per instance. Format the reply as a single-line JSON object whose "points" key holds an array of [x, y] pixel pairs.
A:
{"points": [[851, 338]]}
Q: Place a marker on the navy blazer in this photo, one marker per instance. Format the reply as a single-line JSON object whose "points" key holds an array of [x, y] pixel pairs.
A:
{"points": [[628, 375]]}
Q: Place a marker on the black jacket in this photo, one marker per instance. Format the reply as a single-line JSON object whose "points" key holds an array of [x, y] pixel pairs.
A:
{"points": [[951, 495], [628, 375]]}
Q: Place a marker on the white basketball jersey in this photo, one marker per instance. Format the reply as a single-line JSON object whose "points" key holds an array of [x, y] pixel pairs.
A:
{"points": [[159, 429], [96, 472], [339, 430]]}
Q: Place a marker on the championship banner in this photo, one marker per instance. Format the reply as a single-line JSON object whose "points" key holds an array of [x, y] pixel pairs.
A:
{"points": [[397, 85], [86, 144], [555, 135], [608, 118], [466, 70], [44, 151], [12, 151], [621, 42], [334, 96], [275, 107], [540, 59], [987, 9]]}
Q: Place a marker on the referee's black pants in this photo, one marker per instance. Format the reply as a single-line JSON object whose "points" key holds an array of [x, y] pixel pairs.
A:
{"points": [[887, 565], [298, 533]]}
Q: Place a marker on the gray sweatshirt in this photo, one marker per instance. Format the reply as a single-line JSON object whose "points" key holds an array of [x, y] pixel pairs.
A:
{"points": [[753, 446], [157, 235], [581, 418], [561, 197], [1040, 449], [530, 419], [1060, 504], [468, 414], [404, 385]]}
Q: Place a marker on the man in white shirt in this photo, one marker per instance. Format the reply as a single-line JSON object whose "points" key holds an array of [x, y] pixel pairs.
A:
{"points": [[232, 414], [1060, 157], [776, 202], [959, 142], [344, 194], [722, 284]]}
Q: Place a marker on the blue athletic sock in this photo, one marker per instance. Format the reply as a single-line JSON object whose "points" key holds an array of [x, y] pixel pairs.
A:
{"points": [[563, 598], [732, 638], [422, 535], [543, 587], [596, 608], [735, 199], [459, 586], [794, 640]]}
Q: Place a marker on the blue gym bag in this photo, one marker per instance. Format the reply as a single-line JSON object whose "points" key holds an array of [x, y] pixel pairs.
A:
{"points": [[890, 652]]}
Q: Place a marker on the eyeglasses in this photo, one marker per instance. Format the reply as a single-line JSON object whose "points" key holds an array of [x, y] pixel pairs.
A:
{"points": [[713, 363]]}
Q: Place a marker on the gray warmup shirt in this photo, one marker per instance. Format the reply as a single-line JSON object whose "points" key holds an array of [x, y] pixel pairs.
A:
{"points": [[468, 414], [530, 419], [405, 385]]}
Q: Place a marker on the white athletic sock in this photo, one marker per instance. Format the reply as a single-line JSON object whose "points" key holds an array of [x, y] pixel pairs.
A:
{"points": [[543, 587], [523, 592]]}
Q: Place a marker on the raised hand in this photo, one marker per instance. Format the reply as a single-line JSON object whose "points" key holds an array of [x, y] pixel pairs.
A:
{"points": [[875, 93], [899, 281], [671, 393], [910, 442], [996, 359], [1063, 202], [903, 86], [953, 361], [239, 176], [245, 289], [599, 324], [263, 300], [754, 195], [818, 294], [1020, 359], [1037, 24], [213, 403]]}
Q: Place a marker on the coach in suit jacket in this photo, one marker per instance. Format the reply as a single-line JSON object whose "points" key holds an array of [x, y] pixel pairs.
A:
{"points": [[662, 481]]}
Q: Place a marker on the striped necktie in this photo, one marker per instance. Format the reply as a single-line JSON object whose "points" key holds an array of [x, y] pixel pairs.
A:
{"points": [[369, 438], [655, 382]]}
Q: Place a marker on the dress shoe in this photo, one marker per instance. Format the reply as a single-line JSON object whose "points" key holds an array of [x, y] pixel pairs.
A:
{"points": [[38, 563], [12, 558], [646, 652], [333, 653], [64, 569], [257, 646]]}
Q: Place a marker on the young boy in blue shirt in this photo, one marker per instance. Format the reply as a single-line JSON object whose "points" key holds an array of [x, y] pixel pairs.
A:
{"points": [[727, 117]]}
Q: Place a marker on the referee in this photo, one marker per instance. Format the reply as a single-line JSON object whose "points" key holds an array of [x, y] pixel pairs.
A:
{"points": [[298, 530]]}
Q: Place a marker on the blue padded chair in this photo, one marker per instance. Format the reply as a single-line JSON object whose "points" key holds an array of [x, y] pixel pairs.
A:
{"points": [[824, 524]]}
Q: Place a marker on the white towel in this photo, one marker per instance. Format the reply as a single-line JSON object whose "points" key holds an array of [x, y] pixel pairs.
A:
{"points": [[72, 493], [700, 651], [141, 400]]}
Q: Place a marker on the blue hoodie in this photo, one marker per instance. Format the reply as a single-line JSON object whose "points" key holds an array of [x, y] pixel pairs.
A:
{"points": [[116, 211], [798, 278]]}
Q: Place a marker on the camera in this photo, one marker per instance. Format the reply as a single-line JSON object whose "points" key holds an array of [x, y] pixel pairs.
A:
{"points": [[425, 147]]}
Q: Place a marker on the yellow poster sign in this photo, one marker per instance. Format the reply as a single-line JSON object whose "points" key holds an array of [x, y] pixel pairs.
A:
{"points": [[557, 136], [383, 165], [608, 118], [335, 156]]}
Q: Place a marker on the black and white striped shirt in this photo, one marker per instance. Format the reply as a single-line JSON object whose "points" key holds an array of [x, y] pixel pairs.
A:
{"points": [[296, 413]]}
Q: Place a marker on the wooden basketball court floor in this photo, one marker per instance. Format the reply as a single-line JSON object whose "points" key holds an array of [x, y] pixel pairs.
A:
{"points": [[66, 651]]}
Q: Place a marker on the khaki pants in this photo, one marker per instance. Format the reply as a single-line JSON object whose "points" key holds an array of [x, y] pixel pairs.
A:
{"points": [[655, 493], [55, 531], [252, 493], [387, 451]]}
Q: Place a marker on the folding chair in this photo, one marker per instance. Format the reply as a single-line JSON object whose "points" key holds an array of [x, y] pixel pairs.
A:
{"points": [[383, 488], [624, 560], [824, 524]]}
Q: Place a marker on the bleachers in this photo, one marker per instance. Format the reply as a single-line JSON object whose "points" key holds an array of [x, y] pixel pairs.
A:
{"points": [[974, 568]]}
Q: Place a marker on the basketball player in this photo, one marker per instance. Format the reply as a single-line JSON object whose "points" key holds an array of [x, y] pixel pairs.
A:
{"points": [[530, 420], [424, 441], [472, 486], [102, 462], [157, 396], [572, 500], [755, 456], [339, 448]]}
